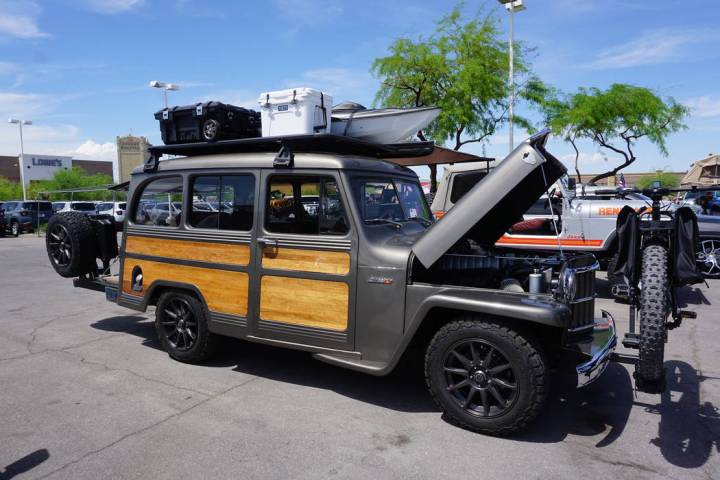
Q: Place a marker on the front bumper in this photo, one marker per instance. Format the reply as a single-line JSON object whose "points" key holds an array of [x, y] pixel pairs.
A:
{"points": [[599, 348]]}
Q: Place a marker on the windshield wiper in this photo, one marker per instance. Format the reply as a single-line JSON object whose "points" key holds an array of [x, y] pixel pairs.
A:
{"points": [[378, 221], [424, 221]]}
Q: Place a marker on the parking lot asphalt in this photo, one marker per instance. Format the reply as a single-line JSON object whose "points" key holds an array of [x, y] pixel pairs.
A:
{"points": [[85, 392]]}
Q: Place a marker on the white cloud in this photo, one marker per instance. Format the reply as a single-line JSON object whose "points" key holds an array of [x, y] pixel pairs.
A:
{"points": [[654, 47], [585, 158], [342, 83], [111, 7], [24, 105], [308, 12], [239, 98], [19, 19], [705, 106], [96, 151]]}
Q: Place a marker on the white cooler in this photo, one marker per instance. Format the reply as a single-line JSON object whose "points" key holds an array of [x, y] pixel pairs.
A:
{"points": [[295, 111]]}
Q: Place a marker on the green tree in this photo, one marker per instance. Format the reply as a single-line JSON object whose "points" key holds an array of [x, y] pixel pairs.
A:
{"points": [[9, 190], [614, 119], [461, 68], [666, 179], [73, 178]]}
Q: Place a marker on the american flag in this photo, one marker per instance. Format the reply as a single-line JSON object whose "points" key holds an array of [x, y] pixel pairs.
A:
{"points": [[621, 181]]}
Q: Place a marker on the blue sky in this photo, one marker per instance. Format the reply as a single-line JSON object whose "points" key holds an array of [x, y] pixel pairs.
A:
{"points": [[80, 68]]}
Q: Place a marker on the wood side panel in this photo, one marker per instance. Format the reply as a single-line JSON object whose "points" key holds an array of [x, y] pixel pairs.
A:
{"points": [[322, 304], [226, 253], [224, 291], [301, 260]]}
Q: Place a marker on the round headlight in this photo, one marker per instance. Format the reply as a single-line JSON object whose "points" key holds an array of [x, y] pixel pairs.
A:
{"points": [[568, 283]]}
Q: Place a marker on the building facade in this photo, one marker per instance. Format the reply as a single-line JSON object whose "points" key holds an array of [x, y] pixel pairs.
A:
{"points": [[43, 167], [131, 152]]}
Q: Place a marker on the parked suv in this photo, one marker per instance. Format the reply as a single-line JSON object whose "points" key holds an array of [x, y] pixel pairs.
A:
{"points": [[23, 216], [115, 209], [327, 248]]}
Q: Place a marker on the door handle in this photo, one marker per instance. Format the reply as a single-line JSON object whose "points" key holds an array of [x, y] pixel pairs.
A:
{"points": [[268, 242]]}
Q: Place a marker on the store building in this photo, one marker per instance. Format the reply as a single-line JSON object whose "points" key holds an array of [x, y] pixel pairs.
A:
{"points": [[43, 167]]}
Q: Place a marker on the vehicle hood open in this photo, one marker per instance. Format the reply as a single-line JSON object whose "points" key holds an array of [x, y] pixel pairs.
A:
{"points": [[492, 206]]}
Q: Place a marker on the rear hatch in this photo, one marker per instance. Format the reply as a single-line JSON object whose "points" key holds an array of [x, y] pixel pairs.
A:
{"points": [[492, 206]]}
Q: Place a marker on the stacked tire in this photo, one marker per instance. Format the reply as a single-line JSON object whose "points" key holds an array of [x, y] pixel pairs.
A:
{"points": [[71, 244]]}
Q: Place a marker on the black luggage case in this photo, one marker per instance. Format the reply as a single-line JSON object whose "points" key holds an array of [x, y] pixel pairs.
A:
{"points": [[207, 122]]}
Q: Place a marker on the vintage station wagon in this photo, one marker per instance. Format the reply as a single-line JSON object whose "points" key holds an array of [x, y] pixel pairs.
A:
{"points": [[320, 243]]}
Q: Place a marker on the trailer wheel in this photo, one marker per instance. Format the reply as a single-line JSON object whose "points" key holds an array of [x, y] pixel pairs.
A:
{"points": [[211, 130], [654, 308], [485, 377], [71, 244]]}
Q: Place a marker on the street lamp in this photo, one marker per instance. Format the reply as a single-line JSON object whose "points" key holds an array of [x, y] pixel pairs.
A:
{"points": [[20, 124], [511, 6], [165, 87]]}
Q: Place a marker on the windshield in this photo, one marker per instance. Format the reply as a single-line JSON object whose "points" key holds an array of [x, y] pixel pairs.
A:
{"points": [[82, 206], [392, 200]]}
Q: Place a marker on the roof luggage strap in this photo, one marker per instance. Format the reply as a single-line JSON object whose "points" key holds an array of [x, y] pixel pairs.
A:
{"points": [[285, 157]]}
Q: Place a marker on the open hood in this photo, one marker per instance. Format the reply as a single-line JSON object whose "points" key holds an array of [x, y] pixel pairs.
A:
{"points": [[487, 211]]}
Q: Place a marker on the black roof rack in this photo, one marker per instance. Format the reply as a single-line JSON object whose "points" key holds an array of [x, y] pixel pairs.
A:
{"points": [[286, 146]]}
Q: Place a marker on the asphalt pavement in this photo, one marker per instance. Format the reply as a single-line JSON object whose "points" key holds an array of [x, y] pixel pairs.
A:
{"points": [[86, 393]]}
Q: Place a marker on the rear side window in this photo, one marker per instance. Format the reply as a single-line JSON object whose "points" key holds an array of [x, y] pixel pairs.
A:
{"points": [[305, 205], [82, 206], [223, 202], [463, 183], [159, 203]]}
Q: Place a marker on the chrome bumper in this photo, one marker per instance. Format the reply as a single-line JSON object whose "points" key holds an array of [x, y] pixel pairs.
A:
{"points": [[599, 349]]}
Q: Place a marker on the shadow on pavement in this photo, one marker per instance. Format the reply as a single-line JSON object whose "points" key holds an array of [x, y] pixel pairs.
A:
{"points": [[25, 464], [133, 324], [687, 430]]}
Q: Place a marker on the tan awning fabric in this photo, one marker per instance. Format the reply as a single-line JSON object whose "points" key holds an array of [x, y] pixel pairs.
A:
{"points": [[703, 172], [440, 156]]}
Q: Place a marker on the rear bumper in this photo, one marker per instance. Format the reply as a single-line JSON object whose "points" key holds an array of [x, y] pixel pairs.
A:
{"points": [[598, 350]]}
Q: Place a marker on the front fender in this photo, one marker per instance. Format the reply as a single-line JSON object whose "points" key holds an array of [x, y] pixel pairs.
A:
{"points": [[541, 309]]}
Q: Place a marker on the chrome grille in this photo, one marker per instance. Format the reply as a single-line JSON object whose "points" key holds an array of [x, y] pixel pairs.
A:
{"points": [[582, 304]]}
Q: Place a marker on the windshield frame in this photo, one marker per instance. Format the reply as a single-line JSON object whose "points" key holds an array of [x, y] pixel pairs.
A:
{"points": [[424, 215]]}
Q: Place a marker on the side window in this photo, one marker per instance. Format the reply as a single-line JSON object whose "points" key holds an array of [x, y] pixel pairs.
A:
{"points": [[160, 203], [223, 202], [305, 205], [463, 183]]}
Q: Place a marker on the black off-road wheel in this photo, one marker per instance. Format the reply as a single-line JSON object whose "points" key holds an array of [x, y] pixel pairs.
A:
{"points": [[211, 130], [71, 244], [181, 325], [654, 309], [485, 377]]}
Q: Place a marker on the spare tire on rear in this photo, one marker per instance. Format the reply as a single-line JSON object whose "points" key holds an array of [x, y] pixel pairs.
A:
{"points": [[71, 244]]}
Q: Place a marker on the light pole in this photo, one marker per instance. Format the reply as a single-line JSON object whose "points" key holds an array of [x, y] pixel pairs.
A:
{"points": [[165, 87], [511, 6], [20, 124]]}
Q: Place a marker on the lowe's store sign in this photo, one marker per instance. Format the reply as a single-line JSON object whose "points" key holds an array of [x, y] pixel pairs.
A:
{"points": [[43, 167]]}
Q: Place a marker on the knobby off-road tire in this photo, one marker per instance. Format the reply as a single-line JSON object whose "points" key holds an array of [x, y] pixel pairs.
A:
{"points": [[71, 244], [485, 377], [653, 313], [182, 327]]}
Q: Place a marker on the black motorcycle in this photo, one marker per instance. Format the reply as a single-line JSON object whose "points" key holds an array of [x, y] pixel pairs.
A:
{"points": [[656, 256]]}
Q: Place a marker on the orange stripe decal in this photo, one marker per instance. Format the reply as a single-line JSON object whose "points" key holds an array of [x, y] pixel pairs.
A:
{"points": [[565, 242]]}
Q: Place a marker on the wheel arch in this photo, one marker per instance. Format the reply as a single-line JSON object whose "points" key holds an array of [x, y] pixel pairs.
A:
{"points": [[158, 287]]}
